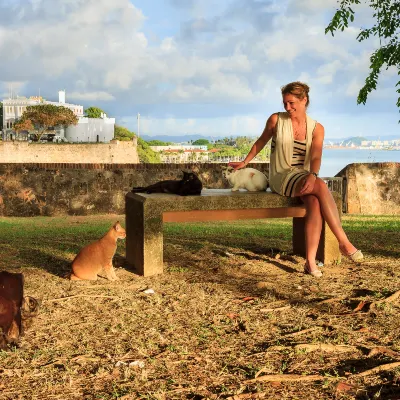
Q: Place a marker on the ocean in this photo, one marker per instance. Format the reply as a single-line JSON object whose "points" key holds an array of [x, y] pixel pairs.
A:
{"points": [[334, 160]]}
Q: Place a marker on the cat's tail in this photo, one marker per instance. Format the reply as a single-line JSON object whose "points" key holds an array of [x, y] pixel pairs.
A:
{"points": [[138, 189]]}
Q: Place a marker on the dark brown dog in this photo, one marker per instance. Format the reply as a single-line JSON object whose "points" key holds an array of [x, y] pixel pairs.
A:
{"points": [[14, 308]]}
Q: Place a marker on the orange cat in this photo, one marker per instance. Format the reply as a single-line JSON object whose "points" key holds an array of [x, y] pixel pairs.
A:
{"points": [[97, 256]]}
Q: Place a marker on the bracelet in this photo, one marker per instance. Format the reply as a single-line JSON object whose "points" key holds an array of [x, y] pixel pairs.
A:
{"points": [[314, 173]]}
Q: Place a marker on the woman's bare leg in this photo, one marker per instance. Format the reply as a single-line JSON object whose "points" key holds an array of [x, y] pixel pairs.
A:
{"points": [[313, 228], [330, 213]]}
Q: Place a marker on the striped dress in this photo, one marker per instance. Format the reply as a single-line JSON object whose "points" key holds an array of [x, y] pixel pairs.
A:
{"points": [[290, 159]]}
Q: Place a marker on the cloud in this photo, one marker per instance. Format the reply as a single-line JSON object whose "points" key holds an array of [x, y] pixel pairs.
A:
{"points": [[92, 96], [216, 60]]}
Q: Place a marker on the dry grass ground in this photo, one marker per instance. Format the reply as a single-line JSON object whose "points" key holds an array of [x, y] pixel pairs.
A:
{"points": [[232, 317]]}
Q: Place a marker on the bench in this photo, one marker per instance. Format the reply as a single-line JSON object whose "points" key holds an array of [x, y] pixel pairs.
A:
{"points": [[146, 214]]}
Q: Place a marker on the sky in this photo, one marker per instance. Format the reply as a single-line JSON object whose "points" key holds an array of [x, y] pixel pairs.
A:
{"points": [[213, 68]]}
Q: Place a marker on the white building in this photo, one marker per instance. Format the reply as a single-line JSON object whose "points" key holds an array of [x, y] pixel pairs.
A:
{"points": [[87, 129], [13, 108], [91, 130]]}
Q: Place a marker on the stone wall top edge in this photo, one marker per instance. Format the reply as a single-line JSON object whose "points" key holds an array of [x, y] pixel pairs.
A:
{"points": [[119, 166]]}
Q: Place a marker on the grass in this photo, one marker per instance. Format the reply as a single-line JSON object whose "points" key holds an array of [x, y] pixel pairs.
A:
{"points": [[205, 331]]}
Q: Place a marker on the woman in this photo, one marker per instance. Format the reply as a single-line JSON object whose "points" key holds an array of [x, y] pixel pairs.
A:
{"points": [[296, 151]]}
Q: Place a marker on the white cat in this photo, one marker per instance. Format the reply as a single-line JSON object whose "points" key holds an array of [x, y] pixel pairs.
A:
{"points": [[246, 178]]}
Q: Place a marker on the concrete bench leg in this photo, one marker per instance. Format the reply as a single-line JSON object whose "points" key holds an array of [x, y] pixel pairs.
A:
{"points": [[144, 239], [328, 249]]}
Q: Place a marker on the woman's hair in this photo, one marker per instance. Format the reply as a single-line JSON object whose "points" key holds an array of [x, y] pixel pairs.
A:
{"points": [[297, 89]]}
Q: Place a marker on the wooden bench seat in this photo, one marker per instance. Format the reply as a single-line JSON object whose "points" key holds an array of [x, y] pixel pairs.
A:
{"points": [[146, 214]]}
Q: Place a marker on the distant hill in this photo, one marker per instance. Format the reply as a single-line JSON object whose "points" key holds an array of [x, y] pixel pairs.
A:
{"points": [[357, 139], [187, 138]]}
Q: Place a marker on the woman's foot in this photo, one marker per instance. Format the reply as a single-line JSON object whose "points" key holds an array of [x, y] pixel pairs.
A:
{"points": [[312, 271], [352, 253]]}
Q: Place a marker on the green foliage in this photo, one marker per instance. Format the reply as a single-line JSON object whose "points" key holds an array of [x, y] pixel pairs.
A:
{"points": [[93, 112], [201, 142], [44, 116], [156, 142], [146, 154], [387, 16], [123, 134]]}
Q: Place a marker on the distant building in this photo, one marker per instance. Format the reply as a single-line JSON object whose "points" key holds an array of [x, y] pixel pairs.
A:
{"points": [[87, 130], [91, 130], [178, 147], [13, 108]]}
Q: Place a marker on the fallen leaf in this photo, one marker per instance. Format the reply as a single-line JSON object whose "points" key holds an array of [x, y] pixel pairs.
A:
{"points": [[345, 387], [360, 306], [232, 315], [248, 298], [276, 384]]}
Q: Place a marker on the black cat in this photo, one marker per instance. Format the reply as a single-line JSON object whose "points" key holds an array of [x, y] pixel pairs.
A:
{"points": [[190, 184]]}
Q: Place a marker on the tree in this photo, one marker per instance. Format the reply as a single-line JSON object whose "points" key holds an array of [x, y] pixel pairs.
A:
{"points": [[94, 112], [387, 16], [156, 142], [201, 142], [44, 116], [145, 153], [123, 134]]}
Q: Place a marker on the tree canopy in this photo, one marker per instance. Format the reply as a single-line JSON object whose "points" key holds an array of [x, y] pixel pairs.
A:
{"points": [[123, 134], [44, 116], [156, 142], [145, 153], [201, 142], [386, 14], [94, 112]]}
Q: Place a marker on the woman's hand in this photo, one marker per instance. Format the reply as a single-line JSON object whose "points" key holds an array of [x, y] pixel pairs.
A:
{"points": [[237, 165], [308, 185]]}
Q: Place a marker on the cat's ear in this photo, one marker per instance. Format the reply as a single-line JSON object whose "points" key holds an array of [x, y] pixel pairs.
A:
{"points": [[117, 226]]}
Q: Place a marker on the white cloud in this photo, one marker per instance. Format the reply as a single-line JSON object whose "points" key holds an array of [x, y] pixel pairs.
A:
{"points": [[91, 96], [326, 72], [227, 61]]}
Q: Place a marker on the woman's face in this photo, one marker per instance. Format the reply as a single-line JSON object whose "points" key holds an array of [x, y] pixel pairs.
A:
{"points": [[293, 105]]}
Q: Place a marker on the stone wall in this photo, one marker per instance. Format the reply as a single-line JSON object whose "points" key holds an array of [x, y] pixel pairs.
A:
{"points": [[372, 188], [82, 189], [111, 153]]}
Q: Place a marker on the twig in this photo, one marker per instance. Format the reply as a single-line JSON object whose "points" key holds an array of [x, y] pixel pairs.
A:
{"points": [[383, 350], [380, 368], [80, 295], [310, 378], [317, 347], [325, 347], [289, 378], [390, 299]]}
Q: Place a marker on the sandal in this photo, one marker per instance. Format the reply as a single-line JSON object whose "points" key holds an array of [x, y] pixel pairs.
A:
{"points": [[357, 257], [316, 273]]}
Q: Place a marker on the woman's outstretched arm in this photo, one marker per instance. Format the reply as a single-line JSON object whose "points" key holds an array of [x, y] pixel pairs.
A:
{"points": [[269, 131]]}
